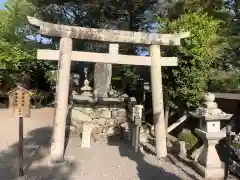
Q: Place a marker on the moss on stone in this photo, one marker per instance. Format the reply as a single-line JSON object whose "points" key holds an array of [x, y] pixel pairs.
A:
{"points": [[236, 145], [189, 138]]}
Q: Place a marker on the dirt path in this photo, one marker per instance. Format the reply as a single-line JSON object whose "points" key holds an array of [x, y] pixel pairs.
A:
{"points": [[112, 160]]}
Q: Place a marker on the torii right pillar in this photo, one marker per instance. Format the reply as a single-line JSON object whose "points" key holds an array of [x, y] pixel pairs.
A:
{"points": [[157, 101], [157, 95]]}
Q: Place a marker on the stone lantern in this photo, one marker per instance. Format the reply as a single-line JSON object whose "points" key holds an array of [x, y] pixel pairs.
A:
{"points": [[208, 162]]}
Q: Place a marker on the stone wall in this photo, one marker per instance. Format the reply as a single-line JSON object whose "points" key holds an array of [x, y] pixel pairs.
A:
{"points": [[107, 115]]}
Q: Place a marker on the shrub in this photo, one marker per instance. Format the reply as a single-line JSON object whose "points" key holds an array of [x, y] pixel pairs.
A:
{"points": [[189, 138]]}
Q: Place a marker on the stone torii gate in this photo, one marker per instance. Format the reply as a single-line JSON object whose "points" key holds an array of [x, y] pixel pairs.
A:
{"points": [[65, 55]]}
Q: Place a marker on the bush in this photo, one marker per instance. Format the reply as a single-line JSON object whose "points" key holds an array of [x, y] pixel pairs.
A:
{"points": [[189, 138], [236, 145], [185, 84]]}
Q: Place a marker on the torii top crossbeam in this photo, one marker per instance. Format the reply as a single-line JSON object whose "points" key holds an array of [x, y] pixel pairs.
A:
{"points": [[117, 36]]}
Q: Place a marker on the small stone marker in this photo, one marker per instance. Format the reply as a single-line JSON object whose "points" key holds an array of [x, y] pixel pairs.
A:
{"points": [[86, 135], [136, 129], [182, 147]]}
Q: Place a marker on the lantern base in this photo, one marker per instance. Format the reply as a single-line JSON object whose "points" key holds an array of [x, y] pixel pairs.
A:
{"points": [[217, 173]]}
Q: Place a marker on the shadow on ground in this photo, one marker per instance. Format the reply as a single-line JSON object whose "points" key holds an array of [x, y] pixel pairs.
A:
{"points": [[145, 170], [36, 148]]}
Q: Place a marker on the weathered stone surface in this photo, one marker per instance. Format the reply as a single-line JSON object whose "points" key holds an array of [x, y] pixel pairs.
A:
{"points": [[117, 106], [96, 136], [120, 121], [100, 107], [105, 130], [179, 148], [111, 122], [73, 131], [102, 121], [74, 123], [143, 135], [105, 117], [79, 126], [110, 131], [86, 110], [86, 135], [105, 114], [71, 128], [117, 130], [125, 126], [119, 114], [102, 78], [113, 131], [77, 115], [97, 129], [196, 153], [100, 114]]}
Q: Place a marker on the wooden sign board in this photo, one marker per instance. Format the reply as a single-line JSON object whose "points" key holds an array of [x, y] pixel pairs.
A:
{"points": [[19, 99]]}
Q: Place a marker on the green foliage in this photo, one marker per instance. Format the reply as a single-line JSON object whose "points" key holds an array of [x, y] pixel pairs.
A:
{"points": [[129, 73], [224, 81], [226, 74], [17, 44], [185, 83], [190, 139], [51, 77], [236, 145], [13, 32], [39, 97], [14, 46]]}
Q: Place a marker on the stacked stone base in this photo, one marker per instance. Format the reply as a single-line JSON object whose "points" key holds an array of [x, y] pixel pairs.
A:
{"points": [[107, 118]]}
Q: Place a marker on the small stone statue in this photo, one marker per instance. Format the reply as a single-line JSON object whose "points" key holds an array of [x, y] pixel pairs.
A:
{"points": [[86, 89]]}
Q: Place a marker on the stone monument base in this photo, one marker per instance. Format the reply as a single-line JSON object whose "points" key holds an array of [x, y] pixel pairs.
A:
{"points": [[108, 116]]}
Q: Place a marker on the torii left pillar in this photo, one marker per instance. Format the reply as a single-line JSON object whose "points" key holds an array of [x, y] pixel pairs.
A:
{"points": [[61, 106]]}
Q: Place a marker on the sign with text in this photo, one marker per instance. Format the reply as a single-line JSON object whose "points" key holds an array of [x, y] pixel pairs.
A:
{"points": [[20, 102]]}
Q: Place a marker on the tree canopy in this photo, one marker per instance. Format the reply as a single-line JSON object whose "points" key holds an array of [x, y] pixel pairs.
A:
{"points": [[186, 82], [211, 51]]}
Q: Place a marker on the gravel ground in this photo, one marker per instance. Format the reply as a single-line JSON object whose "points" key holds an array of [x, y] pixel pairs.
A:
{"points": [[109, 160]]}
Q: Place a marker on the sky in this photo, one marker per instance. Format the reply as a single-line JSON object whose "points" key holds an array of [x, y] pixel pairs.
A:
{"points": [[2, 3]]}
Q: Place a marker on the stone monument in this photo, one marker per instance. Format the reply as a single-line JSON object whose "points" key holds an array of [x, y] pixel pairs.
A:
{"points": [[208, 162], [102, 78], [98, 117]]}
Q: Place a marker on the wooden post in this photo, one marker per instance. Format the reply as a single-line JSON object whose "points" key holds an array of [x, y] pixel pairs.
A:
{"points": [[20, 148], [64, 67], [157, 100]]}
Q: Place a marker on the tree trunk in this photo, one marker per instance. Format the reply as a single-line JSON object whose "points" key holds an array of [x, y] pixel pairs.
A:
{"points": [[102, 78]]}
